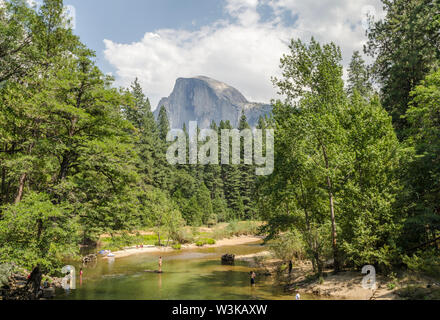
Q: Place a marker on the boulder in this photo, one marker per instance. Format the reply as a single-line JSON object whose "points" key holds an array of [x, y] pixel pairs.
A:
{"points": [[228, 259], [90, 258]]}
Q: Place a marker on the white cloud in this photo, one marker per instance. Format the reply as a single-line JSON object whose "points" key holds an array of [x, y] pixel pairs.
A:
{"points": [[243, 51]]}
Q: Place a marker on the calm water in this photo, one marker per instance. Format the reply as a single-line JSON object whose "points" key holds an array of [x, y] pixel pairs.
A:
{"points": [[188, 275]]}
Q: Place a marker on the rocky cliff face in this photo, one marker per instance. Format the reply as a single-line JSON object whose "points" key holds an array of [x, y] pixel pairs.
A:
{"points": [[203, 99]]}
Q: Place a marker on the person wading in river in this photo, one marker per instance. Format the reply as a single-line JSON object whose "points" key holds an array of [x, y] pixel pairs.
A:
{"points": [[80, 276], [253, 275], [160, 264]]}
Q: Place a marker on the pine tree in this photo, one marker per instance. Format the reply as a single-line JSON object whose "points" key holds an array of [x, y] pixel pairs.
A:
{"points": [[247, 175], [163, 123], [406, 48], [358, 77], [231, 176]]}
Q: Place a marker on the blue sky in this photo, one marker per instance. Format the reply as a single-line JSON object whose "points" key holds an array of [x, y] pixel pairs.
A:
{"points": [[239, 42]]}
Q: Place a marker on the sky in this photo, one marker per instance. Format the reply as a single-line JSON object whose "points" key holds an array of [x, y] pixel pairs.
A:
{"points": [[239, 42]]}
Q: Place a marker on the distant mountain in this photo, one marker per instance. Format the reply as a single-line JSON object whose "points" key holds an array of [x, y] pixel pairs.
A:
{"points": [[203, 99]]}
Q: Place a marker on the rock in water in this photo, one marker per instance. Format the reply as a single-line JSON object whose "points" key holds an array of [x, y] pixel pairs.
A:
{"points": [[204, 100], [228, 258]]}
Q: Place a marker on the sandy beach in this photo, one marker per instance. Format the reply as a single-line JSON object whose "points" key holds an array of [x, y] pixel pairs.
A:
{"points": [[219, 243]]}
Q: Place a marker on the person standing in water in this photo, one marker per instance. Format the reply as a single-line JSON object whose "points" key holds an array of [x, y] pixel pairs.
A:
{"points": [[80, 276], [160, 264], [253, 275]]}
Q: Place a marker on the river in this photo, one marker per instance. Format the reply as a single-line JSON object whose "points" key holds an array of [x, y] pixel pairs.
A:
{"points": [[195, 274]]}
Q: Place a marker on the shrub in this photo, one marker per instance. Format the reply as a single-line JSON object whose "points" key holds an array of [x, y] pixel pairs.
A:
{"points": [[177, 246], [391, 286], [203, 241], [220, 234], [182, 236], [210, 241], [236, 228], [426, 262], [287, 246], [212, 220]]}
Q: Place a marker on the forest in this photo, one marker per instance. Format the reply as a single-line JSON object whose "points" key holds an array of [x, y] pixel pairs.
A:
{"points": [[357, 158]]}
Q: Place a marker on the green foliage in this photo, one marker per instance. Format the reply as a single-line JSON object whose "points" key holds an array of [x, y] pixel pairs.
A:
{"points": [[422, 175], [203, 241], [288, 246], [359, 77], [162, 213], [163, 123], [335, 162], [194, 202], [241, 228], [425, 262], [220, 209], [405, 45], [182, 236], [36, 232]]}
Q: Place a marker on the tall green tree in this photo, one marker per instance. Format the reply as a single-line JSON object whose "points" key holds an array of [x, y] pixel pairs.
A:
{"points": [[18, 50], [406, 46], [421, 178], [358, 76], [248, 176], [313, 72], [335, 164], [163, 123], [231, 176]]}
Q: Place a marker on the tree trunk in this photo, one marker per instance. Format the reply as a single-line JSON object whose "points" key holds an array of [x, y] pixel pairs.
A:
{"points": [[22, 180], [332, 213], [3, 187], [318, 263], [64, 167], [21, 188]]}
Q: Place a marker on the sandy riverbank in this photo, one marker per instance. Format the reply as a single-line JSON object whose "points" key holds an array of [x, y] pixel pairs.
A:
{"points": [[344, 285], [219, 243]]}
